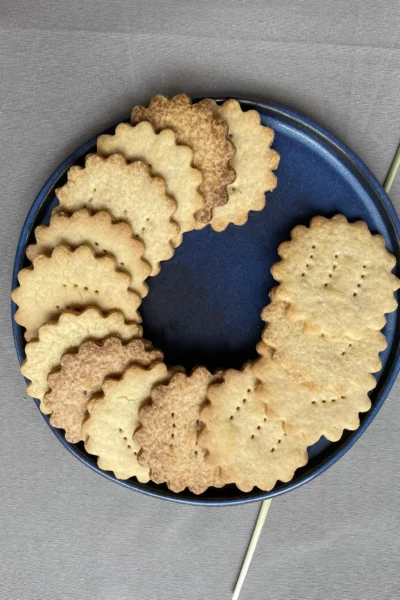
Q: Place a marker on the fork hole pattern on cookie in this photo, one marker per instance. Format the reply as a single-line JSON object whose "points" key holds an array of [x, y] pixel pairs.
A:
{"points": [[258, 428], [359, 284], [129, 447], [315, 402], [76, 286], [274, 447]]}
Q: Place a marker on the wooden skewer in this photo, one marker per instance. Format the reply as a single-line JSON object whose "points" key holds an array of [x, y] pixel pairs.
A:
{"points": [[392, 171], [394, 167], [252, 546]]}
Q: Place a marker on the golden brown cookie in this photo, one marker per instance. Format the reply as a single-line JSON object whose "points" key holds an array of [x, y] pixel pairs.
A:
{"points": [[82, 374], [313, 414], [129, 193], [196, 126], [251, 446], [113, 418], [254, 163], [70, 331], [166, 158], [337, 277], [318, 362], [71, 279], [168, 433], [99, 233]]}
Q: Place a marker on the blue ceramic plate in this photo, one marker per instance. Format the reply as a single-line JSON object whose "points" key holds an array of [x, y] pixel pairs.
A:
{"points": [[204, 307]]}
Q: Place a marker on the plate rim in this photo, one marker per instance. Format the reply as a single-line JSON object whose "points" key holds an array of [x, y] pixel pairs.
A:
{"points": [[364, 173]]}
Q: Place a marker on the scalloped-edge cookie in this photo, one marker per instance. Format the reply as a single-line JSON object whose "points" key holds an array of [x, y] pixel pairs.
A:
{"points": [[318, 362], [70, 331], [168, 433], [113, 418], [82, 373], [196, 126], [254, 163], [337, 277], [167, 159], [313, 414], [71, 279], [102, 235], [129, 193], [251, 446]]}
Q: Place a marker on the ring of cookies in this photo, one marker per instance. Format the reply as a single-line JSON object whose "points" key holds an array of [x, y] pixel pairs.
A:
{"points": [[178, 167]]}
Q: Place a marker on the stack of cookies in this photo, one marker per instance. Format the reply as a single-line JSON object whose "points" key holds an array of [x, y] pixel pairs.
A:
{"points": [[177, 167], [323, 325]]}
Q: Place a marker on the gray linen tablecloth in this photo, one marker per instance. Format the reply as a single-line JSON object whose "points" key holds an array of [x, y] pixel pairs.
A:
{"points": [[68, 70]]}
